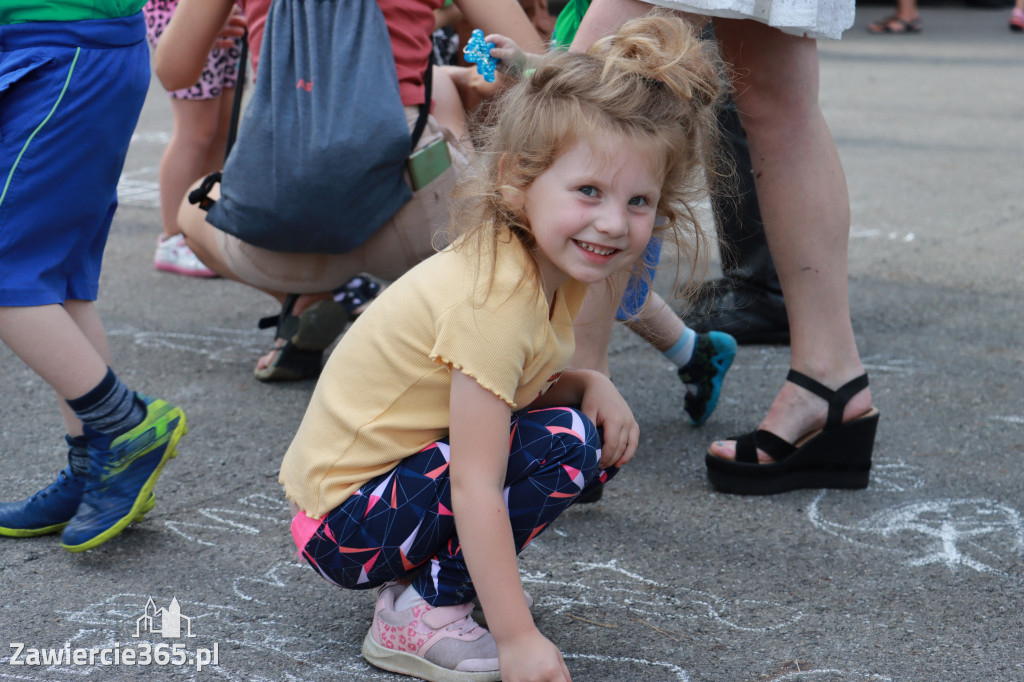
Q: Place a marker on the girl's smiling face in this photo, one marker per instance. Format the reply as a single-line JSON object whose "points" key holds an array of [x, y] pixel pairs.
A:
{"points": [[592, 211]]}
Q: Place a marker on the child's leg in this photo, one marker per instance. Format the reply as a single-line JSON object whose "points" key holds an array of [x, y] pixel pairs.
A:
{"points": [[402, 521], [554, 455], [187, 156], [88, 320], [402, 524], [95, 75], [215, 154], [49, 341], [702, 359]]}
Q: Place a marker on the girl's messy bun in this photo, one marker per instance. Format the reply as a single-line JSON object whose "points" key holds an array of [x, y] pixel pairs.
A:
{"points": [[662, 49]]}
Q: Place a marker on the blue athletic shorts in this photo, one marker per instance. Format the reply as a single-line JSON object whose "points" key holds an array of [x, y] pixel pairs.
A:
{"points": [[70, 96], [639, 285]]}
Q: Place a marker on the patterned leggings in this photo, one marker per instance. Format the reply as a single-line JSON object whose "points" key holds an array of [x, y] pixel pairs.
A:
{"points": [[400, 523]]}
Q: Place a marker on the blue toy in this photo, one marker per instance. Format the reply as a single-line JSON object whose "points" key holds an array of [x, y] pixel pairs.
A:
{"points": [[478, 50]]}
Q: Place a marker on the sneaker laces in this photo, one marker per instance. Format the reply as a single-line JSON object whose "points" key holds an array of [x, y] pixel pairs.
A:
{"points": [[465, 626], [62, 480]]}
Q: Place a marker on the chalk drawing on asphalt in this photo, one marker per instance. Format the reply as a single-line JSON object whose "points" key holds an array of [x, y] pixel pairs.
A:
{"points": [[973, 533], [312, 643], [895, 477], [890, 235], [218, 344], [623, 661], [134, 189], [609, 591], [258, 512], [281, 639], [832, 675]]}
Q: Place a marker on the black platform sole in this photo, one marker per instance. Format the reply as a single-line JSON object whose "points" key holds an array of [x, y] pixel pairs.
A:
{"points": [[840, 458]]}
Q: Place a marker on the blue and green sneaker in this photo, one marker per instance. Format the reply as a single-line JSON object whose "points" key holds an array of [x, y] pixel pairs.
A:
{"points": [[704, 374], [122, 473], [50, 509]]}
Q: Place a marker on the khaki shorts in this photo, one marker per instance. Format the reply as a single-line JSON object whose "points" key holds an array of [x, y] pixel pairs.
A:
{"points": [[411, 235]]}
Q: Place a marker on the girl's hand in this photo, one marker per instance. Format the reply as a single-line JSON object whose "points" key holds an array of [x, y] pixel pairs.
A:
{"points": [[233, 28], [531, 657], [606, 407], [513, 61]]}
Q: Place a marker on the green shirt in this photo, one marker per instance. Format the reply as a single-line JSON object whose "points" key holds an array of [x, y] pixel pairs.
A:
{"points": [[18, 11], [567, 24]]}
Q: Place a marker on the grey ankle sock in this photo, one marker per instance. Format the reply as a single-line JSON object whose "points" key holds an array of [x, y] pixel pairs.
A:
{"points": [[78, 454], [110, 408]]}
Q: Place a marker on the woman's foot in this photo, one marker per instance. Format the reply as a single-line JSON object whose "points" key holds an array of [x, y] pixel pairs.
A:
{"points": [[266, 362], [353, 297], [795, 413], [896, 24], [1017, 20]]}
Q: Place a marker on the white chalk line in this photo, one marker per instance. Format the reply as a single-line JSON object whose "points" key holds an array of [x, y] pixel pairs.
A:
{"points": [[1009, 419], [234, 521], [941, 530], [113, 619], [890, 235], [665, 602], [160, 137], [624, 660], [220, 344], [834, 675], [133, 189], [896, 477]]}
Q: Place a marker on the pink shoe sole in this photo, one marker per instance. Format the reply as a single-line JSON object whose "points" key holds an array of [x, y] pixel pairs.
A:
{"points": [[205, 274], [1017, 20]]}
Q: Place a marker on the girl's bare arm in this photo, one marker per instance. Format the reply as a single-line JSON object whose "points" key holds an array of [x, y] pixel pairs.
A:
{"points": [[479, 436]]}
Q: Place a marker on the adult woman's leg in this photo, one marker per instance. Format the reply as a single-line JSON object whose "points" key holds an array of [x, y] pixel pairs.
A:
{"points": [[804, 202]]}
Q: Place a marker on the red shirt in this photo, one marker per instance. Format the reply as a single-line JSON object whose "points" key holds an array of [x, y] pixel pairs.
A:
{"points": [[410, 23]]}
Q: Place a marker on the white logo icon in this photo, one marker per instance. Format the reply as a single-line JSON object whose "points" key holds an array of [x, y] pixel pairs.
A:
{"points": [[163, 621]]}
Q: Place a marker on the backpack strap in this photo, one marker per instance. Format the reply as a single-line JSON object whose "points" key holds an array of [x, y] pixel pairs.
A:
{"points": [[421, 120], [236, 104]]}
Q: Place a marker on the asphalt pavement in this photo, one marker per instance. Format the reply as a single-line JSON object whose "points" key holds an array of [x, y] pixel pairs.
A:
{"points": [[915, 579]]}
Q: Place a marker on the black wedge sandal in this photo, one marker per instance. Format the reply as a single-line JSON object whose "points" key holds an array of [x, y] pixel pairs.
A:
{"points": [[838, 456]]}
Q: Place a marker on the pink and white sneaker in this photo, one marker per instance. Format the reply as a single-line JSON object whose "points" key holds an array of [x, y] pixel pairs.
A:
{"points": [[1017, 20], [174, 255], [436, 643]]}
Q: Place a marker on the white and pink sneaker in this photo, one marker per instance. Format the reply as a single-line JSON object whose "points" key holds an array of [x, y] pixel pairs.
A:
{"points": [[174, 255], [436, 643]]}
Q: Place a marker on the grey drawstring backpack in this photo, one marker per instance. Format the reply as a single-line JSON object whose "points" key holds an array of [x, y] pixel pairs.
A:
{"points": [[320, 153]]}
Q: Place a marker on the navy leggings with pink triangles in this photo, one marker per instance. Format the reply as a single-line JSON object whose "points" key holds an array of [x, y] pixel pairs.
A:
{"points": [[400, 524]]}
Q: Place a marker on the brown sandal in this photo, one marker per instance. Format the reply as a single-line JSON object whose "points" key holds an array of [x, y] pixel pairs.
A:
{"points": [[893, 24]]}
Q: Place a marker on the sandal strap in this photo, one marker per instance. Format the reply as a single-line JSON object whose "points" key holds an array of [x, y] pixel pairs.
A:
{"points": [[836, 399], [748, 444], [281, 318]]}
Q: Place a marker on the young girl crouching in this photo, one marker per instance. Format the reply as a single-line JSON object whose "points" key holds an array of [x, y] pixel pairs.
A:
{"points": [[446, 432]]}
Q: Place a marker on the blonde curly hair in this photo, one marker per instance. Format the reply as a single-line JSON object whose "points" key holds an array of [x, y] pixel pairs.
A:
{"points": [[654, 81]]}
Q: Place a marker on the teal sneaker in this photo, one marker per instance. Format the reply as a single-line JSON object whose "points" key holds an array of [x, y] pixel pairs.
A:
{"points": [[122, 473], [704, 374]]}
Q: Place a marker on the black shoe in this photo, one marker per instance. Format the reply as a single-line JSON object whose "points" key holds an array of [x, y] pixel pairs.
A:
{"points": [[752, 315]]}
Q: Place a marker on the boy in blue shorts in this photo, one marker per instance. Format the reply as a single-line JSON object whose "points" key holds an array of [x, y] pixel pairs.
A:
{"points": [[73, 77]]}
